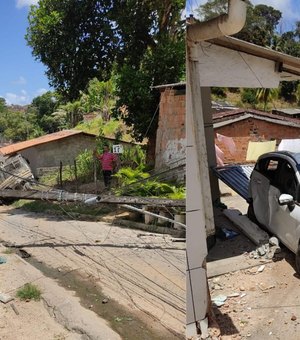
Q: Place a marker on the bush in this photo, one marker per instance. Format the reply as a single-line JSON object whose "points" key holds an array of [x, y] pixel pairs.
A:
{"points": [[29, 292], [249, 96]]}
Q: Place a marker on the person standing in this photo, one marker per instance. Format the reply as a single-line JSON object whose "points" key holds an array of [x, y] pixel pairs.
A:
{"points": [[108, 162]]}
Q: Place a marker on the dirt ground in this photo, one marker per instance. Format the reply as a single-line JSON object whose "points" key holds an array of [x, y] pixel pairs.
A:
{"points": [[260, 301], [131, 280]]}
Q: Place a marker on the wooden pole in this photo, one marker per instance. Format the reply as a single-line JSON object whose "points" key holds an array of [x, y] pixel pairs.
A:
{"points": [[75, 173], [95, 175], [60, 174]]}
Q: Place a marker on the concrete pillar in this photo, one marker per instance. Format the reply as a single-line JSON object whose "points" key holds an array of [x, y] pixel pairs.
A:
{"points": [[210, 141]]}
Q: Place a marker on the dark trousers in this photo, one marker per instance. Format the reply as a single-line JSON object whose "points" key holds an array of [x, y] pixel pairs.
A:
{"points": [[107, 178]]}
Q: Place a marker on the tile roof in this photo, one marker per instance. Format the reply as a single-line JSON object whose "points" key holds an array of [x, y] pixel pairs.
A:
{"points": [[10, 149]]}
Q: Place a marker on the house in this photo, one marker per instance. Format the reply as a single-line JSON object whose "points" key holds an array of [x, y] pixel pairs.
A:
{"points": [[242, 125], [49, 150]]}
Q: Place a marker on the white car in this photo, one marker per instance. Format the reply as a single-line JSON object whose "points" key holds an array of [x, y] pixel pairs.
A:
{"points": [[274, 203]]}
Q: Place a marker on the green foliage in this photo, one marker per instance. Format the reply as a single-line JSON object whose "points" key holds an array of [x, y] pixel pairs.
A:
{"points": [[99, 96], [29, 292], [75, 41], [219, 92], [133, 157], [136, 182], [249, 96], [287, 90], [266, 95], [78, 210], [85, 166], [2, 105], [18, 126], [261, 22]]}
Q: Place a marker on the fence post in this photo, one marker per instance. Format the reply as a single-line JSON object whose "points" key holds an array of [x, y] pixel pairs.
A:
{"points": [[75, 173], [95, 175], [60, 174]]}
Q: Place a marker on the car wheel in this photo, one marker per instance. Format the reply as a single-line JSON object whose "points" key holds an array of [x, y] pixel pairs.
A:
{"points": [[298, 260]]}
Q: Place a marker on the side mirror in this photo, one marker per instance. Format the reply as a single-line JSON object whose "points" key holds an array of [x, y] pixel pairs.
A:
{"points": [[286, 199]]}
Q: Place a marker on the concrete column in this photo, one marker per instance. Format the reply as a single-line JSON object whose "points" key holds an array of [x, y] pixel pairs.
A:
{"points": [[199, 212], [210, 141]]}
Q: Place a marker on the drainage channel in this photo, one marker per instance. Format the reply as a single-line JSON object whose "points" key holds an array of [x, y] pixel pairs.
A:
{"points": [[127, 324]]}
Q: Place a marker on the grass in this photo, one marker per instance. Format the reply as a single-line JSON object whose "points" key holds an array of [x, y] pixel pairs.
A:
{"points": [[76, 210], [8, 251], [29, 292]]}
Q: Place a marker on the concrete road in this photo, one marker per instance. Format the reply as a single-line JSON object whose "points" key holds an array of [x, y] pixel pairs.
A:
{"points": [[135, 280]]}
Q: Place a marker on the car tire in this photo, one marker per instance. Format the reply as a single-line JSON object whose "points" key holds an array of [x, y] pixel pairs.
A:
{"points": [[297, 260]]}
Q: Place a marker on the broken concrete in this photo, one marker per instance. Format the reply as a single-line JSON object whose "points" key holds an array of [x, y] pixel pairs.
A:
{"points": [[250, 229]]}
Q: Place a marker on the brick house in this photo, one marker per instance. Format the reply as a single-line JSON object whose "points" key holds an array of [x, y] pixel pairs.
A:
{"points": [[242, 125]]}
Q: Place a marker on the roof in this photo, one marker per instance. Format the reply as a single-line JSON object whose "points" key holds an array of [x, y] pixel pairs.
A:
{"points": [[285, 64], [222, 118], [174, 85], [13, 148], [288, 111], [237, 177]]}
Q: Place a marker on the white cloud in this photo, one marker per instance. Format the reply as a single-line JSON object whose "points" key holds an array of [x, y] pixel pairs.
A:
{"points": [[20, 81], [25, 3], [18, 99], [41, 91]]}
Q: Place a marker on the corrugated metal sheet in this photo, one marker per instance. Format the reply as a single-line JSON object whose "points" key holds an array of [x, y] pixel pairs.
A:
{"points": [[237, 177]]}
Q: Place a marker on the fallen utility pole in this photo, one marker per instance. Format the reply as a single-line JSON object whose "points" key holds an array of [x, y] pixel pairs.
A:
{"points": [[60, 195], [143, 211]]}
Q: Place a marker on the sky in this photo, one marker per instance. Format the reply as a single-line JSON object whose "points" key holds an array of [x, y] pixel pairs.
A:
{"points": [[21, 77], [290, 10]]}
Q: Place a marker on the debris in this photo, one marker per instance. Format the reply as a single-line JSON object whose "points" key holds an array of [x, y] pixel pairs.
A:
{"points": [[234, 295], [261, 268], [204, 328], [242, 288], [242, 295], [14, 308], [227, 234], [23, 253], [105, 301], [219, 300], [274, 241], [293, 318], [5, 298], [2, 259], [261, 251]]}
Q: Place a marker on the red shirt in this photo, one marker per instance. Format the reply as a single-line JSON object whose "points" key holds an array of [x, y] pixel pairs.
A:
{"points": [[107, 160]]}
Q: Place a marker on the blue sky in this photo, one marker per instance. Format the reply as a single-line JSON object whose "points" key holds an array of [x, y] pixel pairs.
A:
{"points": [[289, 8], [21, 77]]}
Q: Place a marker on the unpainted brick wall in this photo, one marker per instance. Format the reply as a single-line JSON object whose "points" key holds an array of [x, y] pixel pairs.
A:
{"points": [[254, 130], [170, 138], [171, 132]]}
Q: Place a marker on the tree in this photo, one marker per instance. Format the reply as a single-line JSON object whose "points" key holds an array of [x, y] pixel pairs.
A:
{"points": [[74, 39], [43, 107], [261, 22], [152, 52], [2, 105]]}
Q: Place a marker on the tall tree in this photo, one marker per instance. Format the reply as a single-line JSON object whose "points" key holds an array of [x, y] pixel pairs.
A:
{"points": [[74, 39], [261, 22], [152, 52]]}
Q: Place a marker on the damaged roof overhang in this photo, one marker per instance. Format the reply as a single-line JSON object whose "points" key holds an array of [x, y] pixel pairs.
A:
{"points": [[286, 64]]}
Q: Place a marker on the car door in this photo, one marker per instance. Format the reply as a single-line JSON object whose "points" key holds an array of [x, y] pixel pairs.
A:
{"points": [[285, 219], [259, 187]]}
